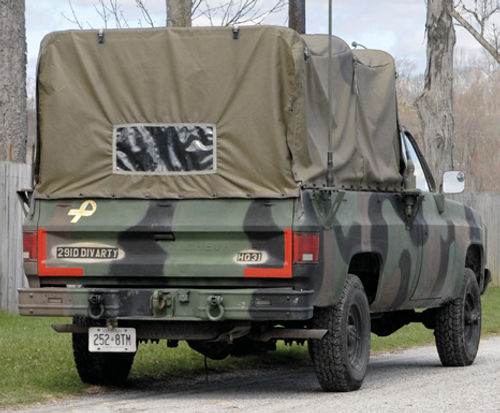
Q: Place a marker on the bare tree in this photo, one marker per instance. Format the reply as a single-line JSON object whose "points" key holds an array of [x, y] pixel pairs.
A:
{"points": [[406, 82], [476, 105], [234, 12], [111, 14], [212, 12], [476, 17], [435, 105], [297, 15], [13, 115], [179, 13]]}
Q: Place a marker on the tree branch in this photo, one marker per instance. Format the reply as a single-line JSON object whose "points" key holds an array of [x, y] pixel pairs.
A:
{"points": [[223, 13], [145, 12], [194, 7], [477, 35], [75, 19], [481, 12]]}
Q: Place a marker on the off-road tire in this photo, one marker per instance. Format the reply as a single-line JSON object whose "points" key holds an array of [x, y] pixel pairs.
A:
{"points": [[340, 358], [99, 368], [458, 325]]}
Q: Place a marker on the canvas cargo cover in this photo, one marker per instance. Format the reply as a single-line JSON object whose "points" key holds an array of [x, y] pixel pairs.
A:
{"points": [[198, 113], [366, 147]]}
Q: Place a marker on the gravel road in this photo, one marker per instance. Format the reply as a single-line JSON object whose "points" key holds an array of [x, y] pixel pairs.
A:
{"points": [[407, 381]]}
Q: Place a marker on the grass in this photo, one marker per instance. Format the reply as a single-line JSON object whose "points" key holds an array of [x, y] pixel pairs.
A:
{"points": [[36, 364]]}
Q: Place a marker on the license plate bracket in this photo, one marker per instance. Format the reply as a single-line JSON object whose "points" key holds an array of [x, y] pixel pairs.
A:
{"points": [[117, 340]]}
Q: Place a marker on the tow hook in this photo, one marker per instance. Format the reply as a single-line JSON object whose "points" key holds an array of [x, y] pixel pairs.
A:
{"points": [[215, 309], [157, 302], [96, 306]]}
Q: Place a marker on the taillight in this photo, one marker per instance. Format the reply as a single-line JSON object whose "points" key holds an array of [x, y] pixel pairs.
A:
{"points": [[305, 247], [30, 246]]}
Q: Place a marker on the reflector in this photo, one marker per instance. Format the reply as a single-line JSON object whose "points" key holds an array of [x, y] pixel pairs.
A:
{"points": [[30, 250], [305, 247]]}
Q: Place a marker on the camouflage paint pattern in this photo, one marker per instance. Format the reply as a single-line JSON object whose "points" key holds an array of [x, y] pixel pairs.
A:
{"points": [[167, 238], [240, 250]]}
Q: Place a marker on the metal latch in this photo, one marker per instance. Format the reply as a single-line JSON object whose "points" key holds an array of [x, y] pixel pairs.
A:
{"points": [[100, 36], [236, 32]]}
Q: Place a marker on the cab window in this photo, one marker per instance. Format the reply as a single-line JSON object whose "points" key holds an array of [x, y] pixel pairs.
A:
{"points": [[422, 182]]}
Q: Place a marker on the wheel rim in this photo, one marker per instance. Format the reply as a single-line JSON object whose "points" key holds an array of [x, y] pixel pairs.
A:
{"points": [[354, 340], [472, 322]]}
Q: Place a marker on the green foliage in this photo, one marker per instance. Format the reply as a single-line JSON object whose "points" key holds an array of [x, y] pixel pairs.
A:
{"points": [[36, 364]]}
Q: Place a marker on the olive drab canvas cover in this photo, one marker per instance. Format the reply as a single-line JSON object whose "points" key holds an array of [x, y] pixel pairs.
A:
{"points": [[210, 113], [366, 148]]}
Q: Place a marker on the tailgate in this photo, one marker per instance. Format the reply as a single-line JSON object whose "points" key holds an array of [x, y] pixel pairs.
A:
{"points": [[165, 238]]}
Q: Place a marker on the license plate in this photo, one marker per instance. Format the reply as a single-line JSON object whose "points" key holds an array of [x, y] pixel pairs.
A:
{"points": [[118, 340]]}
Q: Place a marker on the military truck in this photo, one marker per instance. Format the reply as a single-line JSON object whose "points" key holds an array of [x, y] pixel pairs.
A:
{"points": [[183, 191]]}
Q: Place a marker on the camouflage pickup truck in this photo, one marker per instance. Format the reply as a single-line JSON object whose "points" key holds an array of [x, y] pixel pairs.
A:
{"points": [[183, 191]]}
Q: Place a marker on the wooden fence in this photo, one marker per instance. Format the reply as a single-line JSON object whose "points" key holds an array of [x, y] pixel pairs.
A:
{"points": [[488, 206], [13, 176], [16, 176]]}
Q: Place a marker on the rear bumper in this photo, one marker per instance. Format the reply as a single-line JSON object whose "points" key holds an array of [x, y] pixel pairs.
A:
{"points": [[274, 304]]}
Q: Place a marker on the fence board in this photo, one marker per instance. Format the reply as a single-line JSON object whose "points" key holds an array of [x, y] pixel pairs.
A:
{"points": [[488, 205], [13, 176]]}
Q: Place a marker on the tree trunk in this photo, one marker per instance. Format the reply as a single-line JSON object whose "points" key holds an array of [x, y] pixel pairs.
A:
{"points": [[13, 115], [179, 13], [297, 15], [435, 105]]}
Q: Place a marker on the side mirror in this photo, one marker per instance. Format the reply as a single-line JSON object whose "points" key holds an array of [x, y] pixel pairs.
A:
{"points": [[453, 182]]}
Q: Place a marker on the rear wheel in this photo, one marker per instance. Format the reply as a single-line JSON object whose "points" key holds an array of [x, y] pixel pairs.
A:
{"points": [[99, 368], [340, 358], [458, 325]]}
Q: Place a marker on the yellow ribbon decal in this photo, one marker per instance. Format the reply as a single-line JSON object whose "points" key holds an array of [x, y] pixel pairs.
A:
{"points": [[83, 211]]}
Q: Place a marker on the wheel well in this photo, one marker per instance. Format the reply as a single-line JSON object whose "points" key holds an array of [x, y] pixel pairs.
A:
{"points": [[366, 266], [473, 260]]}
